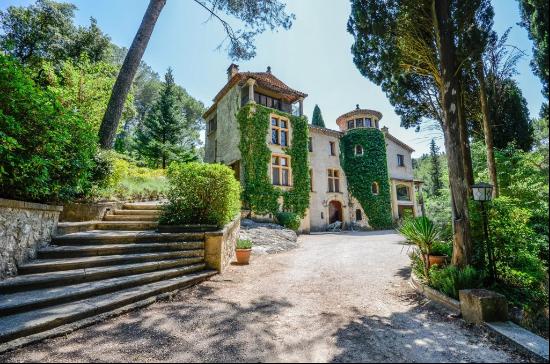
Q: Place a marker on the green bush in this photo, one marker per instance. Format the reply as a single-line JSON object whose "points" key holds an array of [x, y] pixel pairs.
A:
{"points": [[441, 248], [289, 220], [201, 193], [244, 244], [449, 280], [46, 150]]}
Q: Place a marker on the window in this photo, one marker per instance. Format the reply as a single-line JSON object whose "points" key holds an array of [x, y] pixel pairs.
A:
{"points": [[279, 131], [332, 148], [358, 215], [368, 122], [359, 123], [403, 193], [213, 124], [400, 160], [311, 180], [280, 170], [267, 101], [310, 144], [350, 124], [375, 189], [358, 150], [333, 180]]}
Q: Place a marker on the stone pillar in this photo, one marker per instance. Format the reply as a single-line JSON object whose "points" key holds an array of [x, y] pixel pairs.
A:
{"points": [[393, 193], [251, 82], [301, 108], [219, 246]]}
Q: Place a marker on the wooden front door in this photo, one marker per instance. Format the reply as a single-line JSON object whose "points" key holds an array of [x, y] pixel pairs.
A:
{"points": [[335, 212]]}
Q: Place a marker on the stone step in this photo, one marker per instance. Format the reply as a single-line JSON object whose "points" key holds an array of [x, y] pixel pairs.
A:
{"points": [[28, 323], [59, 252], [63, 278], [126, 225], [141, 206], [137, 212], [96, 237], [53, 265], [14, 303], [130, 218]]}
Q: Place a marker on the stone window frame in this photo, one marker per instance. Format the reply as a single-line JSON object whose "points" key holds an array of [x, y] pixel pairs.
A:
{"points": [[358, 215], [332, 148], [213, 124], [279, 130], [375, 188], [311, 180], [356, 150], [400, 160], [407, 197], [334, 178], [279, 168]]}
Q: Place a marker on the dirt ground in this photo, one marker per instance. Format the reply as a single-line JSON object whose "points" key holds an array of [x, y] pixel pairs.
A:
{"points": [[337, 298]]}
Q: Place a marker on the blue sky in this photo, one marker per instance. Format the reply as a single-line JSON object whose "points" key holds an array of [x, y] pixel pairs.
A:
{"points": [[313, 56]]}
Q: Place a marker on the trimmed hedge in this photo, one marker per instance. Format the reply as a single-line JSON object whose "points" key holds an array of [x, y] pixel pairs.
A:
{"points": [[289, 220], [46, 150], [201, 193]]}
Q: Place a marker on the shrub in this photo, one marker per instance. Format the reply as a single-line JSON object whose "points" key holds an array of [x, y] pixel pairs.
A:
{"points": [[289, 220], [450, 280], [244, 244], [441, 248], [201, 194], [47, 150]]}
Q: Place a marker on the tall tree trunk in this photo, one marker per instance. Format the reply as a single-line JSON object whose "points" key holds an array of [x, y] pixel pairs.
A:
{"points": [[462, 248], [126, 75], [487, 128], [464, 140]]}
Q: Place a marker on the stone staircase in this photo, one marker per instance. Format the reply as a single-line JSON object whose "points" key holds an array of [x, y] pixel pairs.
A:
{"points": [[86, 274]]}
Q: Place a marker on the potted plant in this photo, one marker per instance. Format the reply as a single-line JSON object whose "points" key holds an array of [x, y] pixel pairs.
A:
{"points": [[439, 253], [244, 247], [423, 233]]}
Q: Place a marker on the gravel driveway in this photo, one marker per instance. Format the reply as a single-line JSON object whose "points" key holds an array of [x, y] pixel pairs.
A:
{"points": [[338, 297]]}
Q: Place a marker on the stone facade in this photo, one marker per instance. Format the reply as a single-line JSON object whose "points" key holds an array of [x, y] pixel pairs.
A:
{"points": [[326, 203], [24, 227]]}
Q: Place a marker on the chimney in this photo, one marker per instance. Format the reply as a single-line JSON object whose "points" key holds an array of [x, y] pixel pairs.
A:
{"points": [[269, 69], [232, 71], [385, 129]]}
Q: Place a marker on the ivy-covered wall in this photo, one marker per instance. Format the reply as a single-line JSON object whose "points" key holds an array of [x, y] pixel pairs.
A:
{"points": [[259, 194], [362, 170]]}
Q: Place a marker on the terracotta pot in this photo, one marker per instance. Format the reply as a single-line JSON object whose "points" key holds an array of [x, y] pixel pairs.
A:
{"points": [[243, 255], [440, 260]]}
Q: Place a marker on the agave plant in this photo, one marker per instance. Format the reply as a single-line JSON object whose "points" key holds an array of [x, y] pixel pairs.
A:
{"points": [[423, 233]]}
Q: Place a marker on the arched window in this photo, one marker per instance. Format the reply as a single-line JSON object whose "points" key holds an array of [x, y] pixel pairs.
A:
{"points": [[358, 150], [403, 193], [358, 215], [375, 189]]}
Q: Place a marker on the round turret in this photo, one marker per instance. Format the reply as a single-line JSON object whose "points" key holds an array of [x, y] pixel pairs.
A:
{"points": [[359, 118]]}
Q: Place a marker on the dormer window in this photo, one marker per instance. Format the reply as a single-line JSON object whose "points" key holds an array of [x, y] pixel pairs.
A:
{"points": [[279, 131]]}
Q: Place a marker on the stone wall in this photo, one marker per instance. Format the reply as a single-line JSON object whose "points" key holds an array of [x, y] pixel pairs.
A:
{"points": [[219, 246], [24, 227], [73, 212]]}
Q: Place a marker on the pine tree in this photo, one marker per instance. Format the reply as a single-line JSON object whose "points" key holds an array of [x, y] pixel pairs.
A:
{"points": [[317, 118], [163, 136], [435, 170]]}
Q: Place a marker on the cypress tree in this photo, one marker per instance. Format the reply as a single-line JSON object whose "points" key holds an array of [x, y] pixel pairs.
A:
{"points": [[162, 137], [317, 118], [435, 170]]}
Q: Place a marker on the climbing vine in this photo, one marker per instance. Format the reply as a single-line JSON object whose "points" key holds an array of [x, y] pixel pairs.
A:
{"points": [[362, 170], [259, 194]]}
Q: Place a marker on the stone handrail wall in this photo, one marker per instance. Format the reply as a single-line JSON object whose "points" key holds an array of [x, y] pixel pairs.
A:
{"points": [[219, 246], [24, 227]]}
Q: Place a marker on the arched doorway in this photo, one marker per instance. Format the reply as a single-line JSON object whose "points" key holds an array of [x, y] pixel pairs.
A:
{"points": [[335, 212]]}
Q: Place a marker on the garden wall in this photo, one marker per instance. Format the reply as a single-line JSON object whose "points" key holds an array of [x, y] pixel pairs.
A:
{"points": [[219, 246], [24, 227]]}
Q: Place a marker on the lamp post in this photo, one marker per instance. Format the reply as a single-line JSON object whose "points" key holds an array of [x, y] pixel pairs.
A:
{"points": [[483, 192]]}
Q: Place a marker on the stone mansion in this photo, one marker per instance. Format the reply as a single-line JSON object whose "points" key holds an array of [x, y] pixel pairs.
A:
{"points": [[330, 199]]}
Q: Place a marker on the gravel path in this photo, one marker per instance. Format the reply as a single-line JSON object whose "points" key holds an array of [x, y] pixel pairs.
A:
{"points": [[338, 297]]}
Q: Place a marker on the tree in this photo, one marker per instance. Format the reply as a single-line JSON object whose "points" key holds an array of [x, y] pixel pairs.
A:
{"points": [[317, 118], [165, 134], [45, 31], [534, 18], [417, 51], [435, 170], [257, 16]]}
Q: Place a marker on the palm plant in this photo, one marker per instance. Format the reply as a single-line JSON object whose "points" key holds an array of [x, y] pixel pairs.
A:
{"points": [[421, 232]]}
